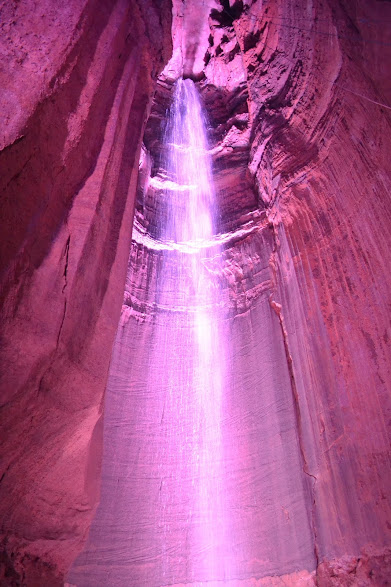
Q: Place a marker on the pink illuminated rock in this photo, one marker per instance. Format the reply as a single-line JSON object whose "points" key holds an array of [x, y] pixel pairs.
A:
{"points": [[298, 101], [190, 32], [76, 85], [284, 376]]}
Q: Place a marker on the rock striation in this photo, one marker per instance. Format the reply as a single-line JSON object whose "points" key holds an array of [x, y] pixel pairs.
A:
{"points": [[289, 92], [77, 82], [319, 105], [298, 100]]}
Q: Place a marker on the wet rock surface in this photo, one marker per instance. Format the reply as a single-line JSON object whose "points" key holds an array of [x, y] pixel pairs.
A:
{"points": [[298, 102], [289, 93], [76, 84]]}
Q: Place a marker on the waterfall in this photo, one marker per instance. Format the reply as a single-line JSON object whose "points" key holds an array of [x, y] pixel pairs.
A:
{"points": [[202, 477], [162, 517], [189, 224], [189, 191]]}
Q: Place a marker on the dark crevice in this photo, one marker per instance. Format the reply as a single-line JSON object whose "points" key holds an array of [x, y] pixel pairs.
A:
{"points": [[66, 254], [228, 13], [65, 272], [62, 322], [251, 40], [15, 142], [5, 472]]}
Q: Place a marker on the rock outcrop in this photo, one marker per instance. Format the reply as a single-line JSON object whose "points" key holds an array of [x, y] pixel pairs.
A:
{"points": [[77, 81], [319, 110], [289, 92], [299, 101]]}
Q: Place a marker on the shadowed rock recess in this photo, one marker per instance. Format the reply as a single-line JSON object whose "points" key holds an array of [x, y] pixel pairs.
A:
{"points": [[297, 97]]}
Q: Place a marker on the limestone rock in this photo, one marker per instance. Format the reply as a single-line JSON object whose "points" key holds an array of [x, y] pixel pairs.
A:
{"points": [[77, 81], [298, 100]]}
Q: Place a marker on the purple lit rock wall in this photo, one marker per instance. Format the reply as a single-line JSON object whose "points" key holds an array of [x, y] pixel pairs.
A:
{"points": [[76, 83], [299, 101], [151, 476], [302, 450]]}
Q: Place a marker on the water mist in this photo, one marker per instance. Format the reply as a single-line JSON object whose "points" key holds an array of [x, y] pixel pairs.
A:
{"points": [[202, 478], [165, 450]]}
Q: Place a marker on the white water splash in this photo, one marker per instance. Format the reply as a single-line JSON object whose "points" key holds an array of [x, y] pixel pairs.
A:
{"points": [[191, 220]]}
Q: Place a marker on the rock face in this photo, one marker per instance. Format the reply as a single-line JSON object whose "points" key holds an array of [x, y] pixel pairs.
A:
{"points": [[309, 107], [298, 98], [78, 80], [318, 109], [303, 276]]}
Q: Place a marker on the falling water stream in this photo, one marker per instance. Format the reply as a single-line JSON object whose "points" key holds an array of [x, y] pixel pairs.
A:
{"points": [[202, 480], [197, 395], [163, 495]]}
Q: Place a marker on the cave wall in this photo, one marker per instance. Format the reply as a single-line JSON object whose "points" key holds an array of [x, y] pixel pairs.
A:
{"points": [[297, 119], [318, 127], [77, 80], [299, 98]]}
